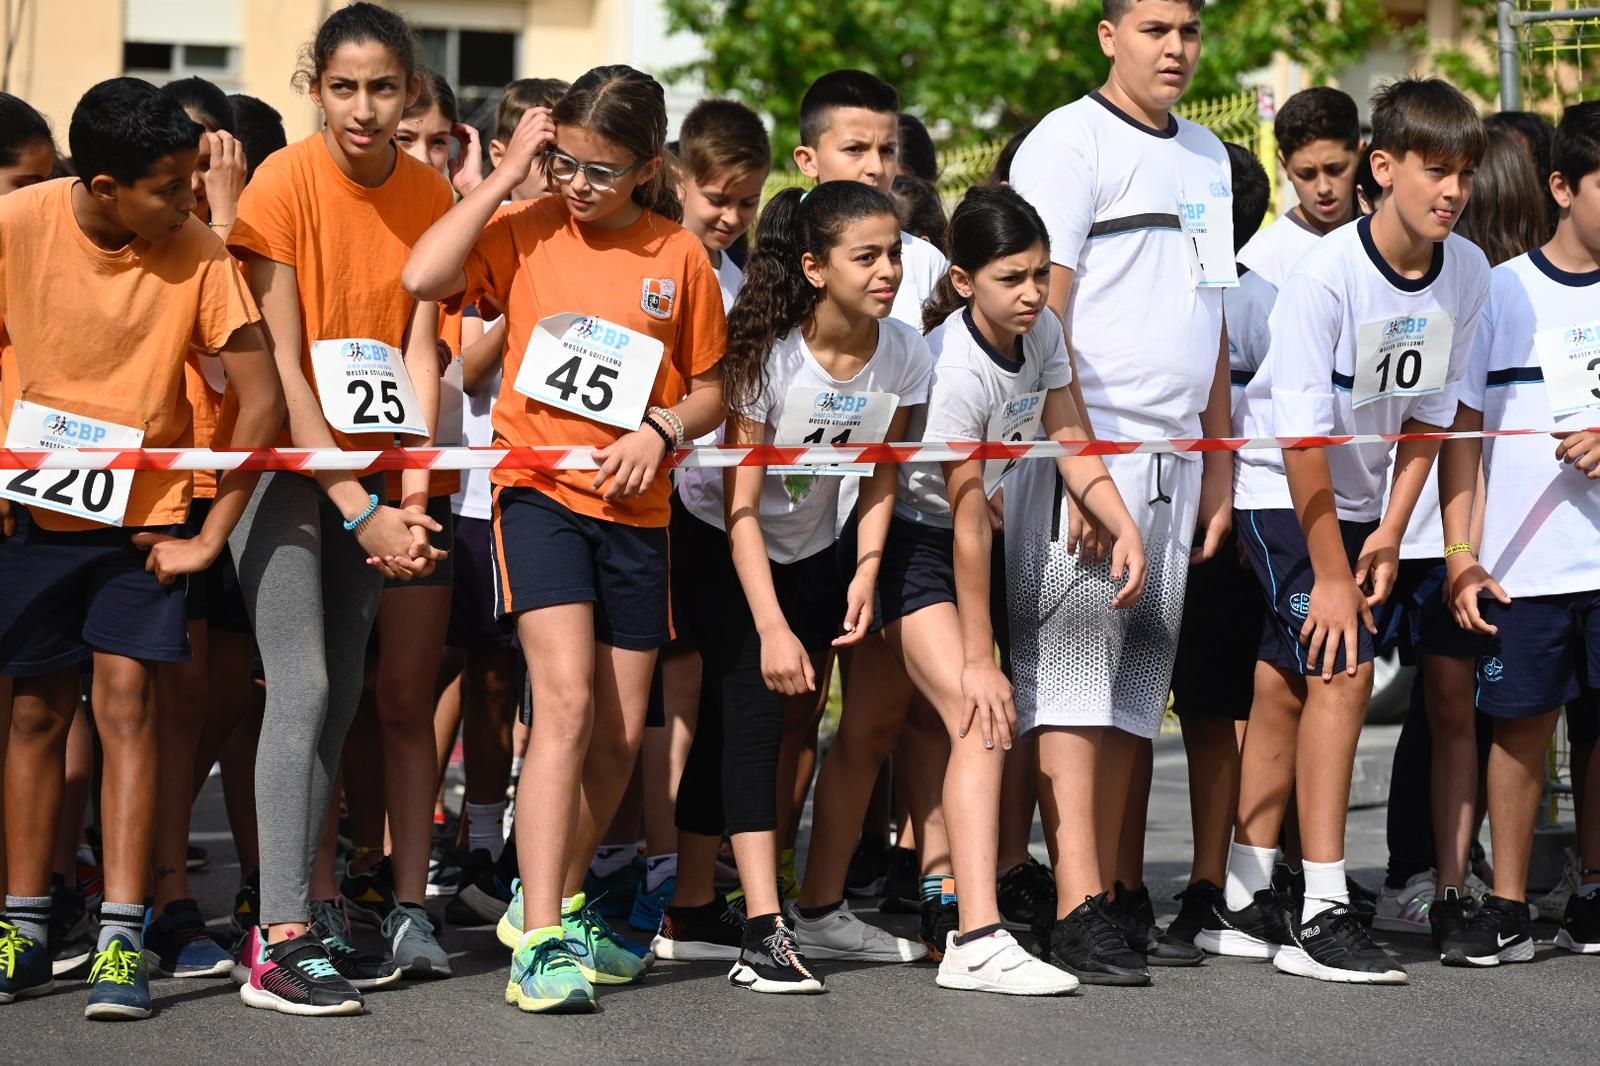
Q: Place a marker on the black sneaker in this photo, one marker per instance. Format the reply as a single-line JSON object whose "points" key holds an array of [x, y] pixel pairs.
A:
{"points": [[330, 923], [1335, 946], [1027, 895], [941, 916], [693, 934], [1135, 915], [1580, 925], [370, 896], [1449, 915], [868, 870], [1256, 932], [72, 929], [1194, 906], [485, 893], [446, 864], [246, 906], [902, 883], [1498, 932], [770, 960], [1090, 946], [1290, 885], [295, 976], [1363, 900]]}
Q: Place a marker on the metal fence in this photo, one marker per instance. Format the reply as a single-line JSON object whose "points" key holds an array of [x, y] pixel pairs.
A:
{"points": [[1549, 54]]}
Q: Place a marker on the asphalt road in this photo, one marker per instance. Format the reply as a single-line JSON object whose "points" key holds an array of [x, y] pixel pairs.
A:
{"points": [[1225, 1011]]}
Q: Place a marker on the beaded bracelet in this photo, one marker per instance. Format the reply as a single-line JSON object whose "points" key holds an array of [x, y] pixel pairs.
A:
{"points": [[219, 225], [356, 523], [670, 417], [1456, 549], [666, 438]]}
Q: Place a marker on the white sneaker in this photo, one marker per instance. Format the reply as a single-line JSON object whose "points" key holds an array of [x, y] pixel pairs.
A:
{"points": [[997, 963], [1405, 910], [1552, 906], [841, 935]]}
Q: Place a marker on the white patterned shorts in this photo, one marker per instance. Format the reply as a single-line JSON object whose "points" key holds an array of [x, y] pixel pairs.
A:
{"points": [[1075, 660]]}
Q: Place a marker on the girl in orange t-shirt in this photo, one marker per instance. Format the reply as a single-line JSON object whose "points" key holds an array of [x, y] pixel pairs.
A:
{"points": [[324, 227], [614, 333]]}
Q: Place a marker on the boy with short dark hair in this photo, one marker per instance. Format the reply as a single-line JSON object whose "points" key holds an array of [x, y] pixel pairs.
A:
{"points": [[519, 96], [1537, 586], [1319, 147], [1371, 334], [89, 558]]}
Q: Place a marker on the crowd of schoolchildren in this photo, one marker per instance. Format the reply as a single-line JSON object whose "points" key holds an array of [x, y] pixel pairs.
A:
{"points": [[645, 653]]}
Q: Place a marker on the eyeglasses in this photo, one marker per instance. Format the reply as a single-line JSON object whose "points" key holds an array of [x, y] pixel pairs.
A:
{"points": [[564, 168]]}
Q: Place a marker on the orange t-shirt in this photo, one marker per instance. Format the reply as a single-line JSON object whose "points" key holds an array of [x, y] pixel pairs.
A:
{"points": [[533, 261], [107, 334], [347, 244], [440, 482]]}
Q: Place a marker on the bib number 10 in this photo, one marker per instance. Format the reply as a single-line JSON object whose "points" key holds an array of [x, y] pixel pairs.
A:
{"points": [[595, 393], [1407, 370]]}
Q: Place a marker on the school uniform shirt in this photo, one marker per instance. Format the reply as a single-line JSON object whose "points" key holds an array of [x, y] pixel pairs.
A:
{"points": [[651, 277], [106, 334], [1540, 515], [347, 244], [730, 279], [473, 499], [800, 512], [1347, 332], [922, 266], [1248, 310], [1111, 191], [973, 382], [701, 488], [1274, 250]]}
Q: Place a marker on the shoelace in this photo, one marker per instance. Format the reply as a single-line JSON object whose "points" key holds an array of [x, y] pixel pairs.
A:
{"points": [[12, 944], [116, 964], [1484, 917], [595, 926], [319, 968], [1349, 929], [1105, 935], [332, 922], [554, 955], [783, 950]]}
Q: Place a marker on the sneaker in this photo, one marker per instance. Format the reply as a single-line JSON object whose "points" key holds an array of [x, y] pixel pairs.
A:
{"points": [[1405, 909], [776, 966], [1580, 925], [484, 894], [1194, 907], [546, 978], [997, 963], [613, 895], [1135, 915], [296, 976], [699, 934], [902, 883], [1027, 895], [24, 965], [1498, 932], [508, 930], [841, 935], [868, 869], [72, 929], [445, 863], [1090, 946], [196, 858], [1335, 946], [176, 944], [330, 923], [370, 896], [409, 931], [940, 918], [648, 907], [1290, 885], [1363, 901], [1449, 915], [607, 958], [1256, 932], [1552, 906], [246, 905], [119, 983]]}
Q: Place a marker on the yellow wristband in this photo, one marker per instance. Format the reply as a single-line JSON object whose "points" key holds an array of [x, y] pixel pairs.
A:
{"points": [[1457, 549]]}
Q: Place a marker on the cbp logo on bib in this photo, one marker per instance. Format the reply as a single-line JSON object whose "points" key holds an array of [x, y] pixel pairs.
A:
{"points": [[356, 352], [69, 428], [57, 425], [1492, 669], [656, 299], [1300, 604]]}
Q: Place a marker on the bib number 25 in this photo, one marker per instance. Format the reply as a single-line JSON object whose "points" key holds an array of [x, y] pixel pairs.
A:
{"points": [[386, 394]]}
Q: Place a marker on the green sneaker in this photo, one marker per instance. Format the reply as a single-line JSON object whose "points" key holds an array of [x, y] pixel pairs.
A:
{"points": [[606, 959], [509, 929], [546, 977]]}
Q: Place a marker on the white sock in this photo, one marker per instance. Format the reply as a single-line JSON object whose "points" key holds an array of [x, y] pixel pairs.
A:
{"points": [[1325, 886], [612, 857], [486, 827], [657, 868], [516, 766], [1249, 871]]}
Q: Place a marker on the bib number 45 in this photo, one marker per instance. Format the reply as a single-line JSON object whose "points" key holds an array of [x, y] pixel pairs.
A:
{"points": [[596, 393]]}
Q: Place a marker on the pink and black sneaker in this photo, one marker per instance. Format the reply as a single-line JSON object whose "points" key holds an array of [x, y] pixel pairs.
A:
{"points": [[295, 976]]}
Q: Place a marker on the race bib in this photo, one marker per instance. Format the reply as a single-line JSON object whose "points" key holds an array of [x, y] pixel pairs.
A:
{"points": [[1017, 420], [1570, 358], [1208, 233], [98, 495], [825, 418], [591, 367], [364, 387], [1405, 356]]}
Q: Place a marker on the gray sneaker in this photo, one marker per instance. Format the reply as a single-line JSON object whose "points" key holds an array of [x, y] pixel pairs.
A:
{"points": [[409, 931]]}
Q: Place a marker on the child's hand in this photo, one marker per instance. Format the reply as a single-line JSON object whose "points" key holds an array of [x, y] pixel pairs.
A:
{"points": [[1129, 565], [1466, 582], [858, 608], [173, 557], [986, 699], [1331, 623], [446, 356], [1581, 450], [1085, 537], [785, 664], [536, 132], [1215, 518], [1377, 567], [387, 539], [997, 510], [630, 463], [226, 177], [466, 173]]}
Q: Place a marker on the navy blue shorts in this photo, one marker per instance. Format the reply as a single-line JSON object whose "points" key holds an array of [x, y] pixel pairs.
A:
{"points": [[1276, 548], [1213, 676], [64, 596], [1547, 650], [472, 619], [1422, 623], [546, 555]]}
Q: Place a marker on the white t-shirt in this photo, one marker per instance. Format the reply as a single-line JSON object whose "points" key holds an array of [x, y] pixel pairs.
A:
{"points": [[1274, 251], [972, 383], [799, 512], [1113, 193], [922, 266], [473, 500], [731, 279], [1541, 528], [1348, 332], [700, 488], [1248, 309]]}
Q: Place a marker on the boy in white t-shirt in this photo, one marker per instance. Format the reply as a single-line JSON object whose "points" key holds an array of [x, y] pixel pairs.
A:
{"points": [[1537, 586], [1371, 334]]}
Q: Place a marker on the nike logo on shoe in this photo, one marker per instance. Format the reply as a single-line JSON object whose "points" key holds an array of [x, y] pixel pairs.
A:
{"points": [[1504, 940]]}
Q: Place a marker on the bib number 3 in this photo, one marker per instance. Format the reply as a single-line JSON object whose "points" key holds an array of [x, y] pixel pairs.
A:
{"points": [[364, 388], [1404, 356], [97, 495], [1570, 359], [591, 367]]}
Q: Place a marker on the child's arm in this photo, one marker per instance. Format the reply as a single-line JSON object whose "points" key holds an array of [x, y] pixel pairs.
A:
{"points": [[874, 510], [436, 269], [1092, 488], [1216, 483], [1581, 450], [479, 357], [985, 691], [785, 663], [1336, 600], [422, 367], [1081, 530], [1379, 562], [1460, 465]]}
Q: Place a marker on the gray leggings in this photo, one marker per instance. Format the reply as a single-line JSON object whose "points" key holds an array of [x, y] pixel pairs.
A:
{"points": [[312, 599]]}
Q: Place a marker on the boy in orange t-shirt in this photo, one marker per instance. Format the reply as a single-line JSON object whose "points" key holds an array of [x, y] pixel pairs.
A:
{"points": [[145, 281]]}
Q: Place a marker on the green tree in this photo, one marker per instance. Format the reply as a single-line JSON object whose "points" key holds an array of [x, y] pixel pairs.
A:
{"points": [[974, 68]]}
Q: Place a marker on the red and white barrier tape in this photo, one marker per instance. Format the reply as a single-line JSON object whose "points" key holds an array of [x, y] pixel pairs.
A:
{"points": [[568, 458]]}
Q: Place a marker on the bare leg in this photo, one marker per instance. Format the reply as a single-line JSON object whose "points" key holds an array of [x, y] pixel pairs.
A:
{"points": [[1325, 758], [42, 711], [1130, 841], [1018, 798], [1267, 762], [125, 719], [1211, 747], [1067, 762], [183, 691], [1516, 783], [1449, 698]]}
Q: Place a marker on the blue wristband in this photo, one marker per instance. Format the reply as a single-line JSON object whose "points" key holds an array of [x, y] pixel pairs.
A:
{"points": [[357, 522]]}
